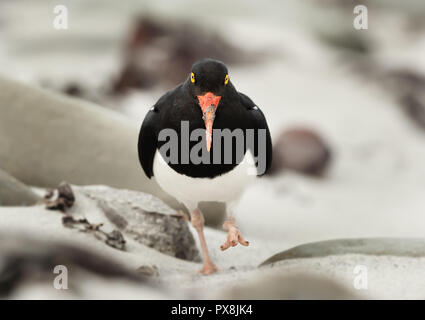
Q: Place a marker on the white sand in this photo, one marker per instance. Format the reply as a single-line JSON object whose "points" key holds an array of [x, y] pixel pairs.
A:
{"points": [[388, 276]]}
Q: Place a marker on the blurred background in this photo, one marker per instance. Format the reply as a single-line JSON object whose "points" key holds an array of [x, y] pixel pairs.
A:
{"points": [[346, 107]]}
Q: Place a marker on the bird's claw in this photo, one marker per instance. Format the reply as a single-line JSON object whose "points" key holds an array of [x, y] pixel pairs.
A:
{"points": [[234, 237]]}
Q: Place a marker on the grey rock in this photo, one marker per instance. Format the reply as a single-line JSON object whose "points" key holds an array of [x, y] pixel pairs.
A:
{"points": [[47, 138], [297, 286], [146, 219], [149, 271], [25, 260], [14, 192], [370, 246], [301, 150]]}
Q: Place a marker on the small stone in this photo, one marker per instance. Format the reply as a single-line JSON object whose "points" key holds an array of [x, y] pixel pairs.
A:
{"points": [[65, 192], [64, 200], [301, 150], [116, 240], [73, 89], [68, 221], [148, 271]]}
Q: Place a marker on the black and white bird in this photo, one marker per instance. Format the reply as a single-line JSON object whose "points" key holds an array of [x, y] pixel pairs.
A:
{"points": [[195, 167]]}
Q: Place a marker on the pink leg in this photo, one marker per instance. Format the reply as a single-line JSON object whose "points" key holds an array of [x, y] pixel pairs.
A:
{"points": [[198, 223], [234, 236]]}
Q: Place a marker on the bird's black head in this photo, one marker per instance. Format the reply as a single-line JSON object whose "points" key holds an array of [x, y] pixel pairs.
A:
{"points": [[208, 82], [208, 75]]}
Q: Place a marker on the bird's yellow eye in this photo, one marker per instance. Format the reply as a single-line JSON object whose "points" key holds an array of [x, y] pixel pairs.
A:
{"points": [[192, 77], [226, 79]]}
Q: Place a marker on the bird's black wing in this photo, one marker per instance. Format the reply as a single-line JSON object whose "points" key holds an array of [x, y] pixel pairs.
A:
{"points": [[148, 136], [148, 140], [258, 121]]}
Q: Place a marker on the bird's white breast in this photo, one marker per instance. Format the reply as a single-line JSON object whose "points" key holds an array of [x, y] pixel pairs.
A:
{"points": [[224, 188]]}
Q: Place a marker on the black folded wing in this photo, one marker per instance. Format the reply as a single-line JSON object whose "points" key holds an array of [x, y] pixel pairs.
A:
{"points": [[258, 121], [148, 141]]}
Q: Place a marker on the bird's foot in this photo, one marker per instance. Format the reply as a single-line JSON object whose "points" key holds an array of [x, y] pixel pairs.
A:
{"points": [[208, 268], [234, 236]]}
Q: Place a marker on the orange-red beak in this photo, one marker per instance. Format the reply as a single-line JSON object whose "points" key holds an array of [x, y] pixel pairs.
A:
{"points": [[209, 103]]}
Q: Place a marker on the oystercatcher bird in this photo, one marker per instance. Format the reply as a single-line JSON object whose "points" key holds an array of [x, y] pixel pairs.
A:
{"points": [[201, 142]]}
